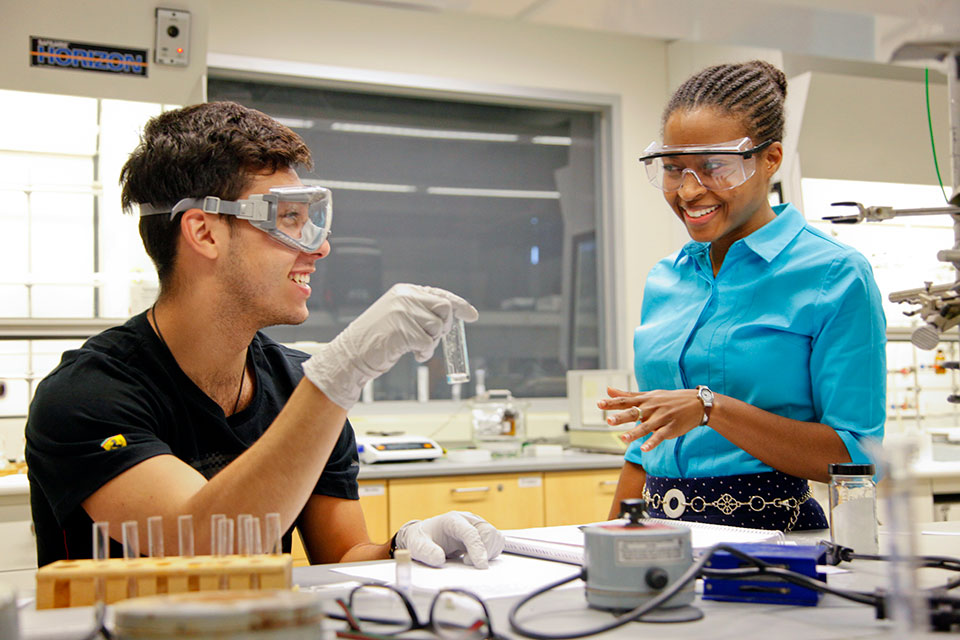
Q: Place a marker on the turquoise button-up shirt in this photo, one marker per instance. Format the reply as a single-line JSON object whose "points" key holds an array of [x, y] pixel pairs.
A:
{"points": [[792, 324]]}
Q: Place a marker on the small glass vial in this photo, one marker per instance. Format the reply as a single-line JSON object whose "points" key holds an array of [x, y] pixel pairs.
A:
{"points": [[455, 354], [853, 507]]}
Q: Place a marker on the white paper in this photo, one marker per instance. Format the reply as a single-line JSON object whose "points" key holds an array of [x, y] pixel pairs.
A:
{"points": [[508, 575]]}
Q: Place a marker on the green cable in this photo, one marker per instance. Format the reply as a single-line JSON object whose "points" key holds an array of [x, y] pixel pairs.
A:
{"points": [[933, 146]]}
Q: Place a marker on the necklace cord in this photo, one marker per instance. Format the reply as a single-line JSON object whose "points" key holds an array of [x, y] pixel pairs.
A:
{"points": [[243, 374]]}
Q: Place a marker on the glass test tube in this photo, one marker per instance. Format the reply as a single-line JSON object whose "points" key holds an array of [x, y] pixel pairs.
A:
{"points": [[455, 354], [185, 535], [243, 531], [274, 537], [256, 540], [224, 537], [131, 540], [155, 537], [101, 540], [404, 570], [215, 521], [101, 551]]}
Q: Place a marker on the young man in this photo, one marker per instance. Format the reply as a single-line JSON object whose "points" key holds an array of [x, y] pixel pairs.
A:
{"points": [[189, 409]]}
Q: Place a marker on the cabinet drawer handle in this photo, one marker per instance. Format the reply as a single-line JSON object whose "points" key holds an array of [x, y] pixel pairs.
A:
{"points": [[608, 483], [470, 490]]}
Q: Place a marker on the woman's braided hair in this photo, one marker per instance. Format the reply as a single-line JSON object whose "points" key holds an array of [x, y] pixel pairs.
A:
{"points": [[752, 91]]}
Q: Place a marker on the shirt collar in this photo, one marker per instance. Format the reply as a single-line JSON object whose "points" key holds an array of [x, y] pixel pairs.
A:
{"points": [[767, 241]]}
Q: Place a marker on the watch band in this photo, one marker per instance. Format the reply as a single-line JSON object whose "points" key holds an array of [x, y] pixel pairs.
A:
{"points": [[706, 397]]}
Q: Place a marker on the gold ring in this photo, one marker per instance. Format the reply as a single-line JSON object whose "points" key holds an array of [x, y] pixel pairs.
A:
{"points": [[639, 414]]}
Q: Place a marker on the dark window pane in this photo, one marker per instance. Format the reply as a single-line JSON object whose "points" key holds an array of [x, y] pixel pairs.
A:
{"points": [[496, 203]]}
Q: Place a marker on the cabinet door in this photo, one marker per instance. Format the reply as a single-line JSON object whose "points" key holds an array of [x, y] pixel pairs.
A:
{"points": [[373, 500], [507, 501], [578, 497]]}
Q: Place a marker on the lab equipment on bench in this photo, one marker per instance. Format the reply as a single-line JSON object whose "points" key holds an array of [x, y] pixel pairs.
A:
{"points": [[629, 564], [588, 428], [801, 559], [397, 448], [498, 422], [853, 506]]}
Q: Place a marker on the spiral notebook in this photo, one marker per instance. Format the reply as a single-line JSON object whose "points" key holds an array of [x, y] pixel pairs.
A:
{"points": [[565, 543]]}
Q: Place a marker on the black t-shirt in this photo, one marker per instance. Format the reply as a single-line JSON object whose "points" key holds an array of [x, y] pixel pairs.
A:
{"points": [[124, 382]]}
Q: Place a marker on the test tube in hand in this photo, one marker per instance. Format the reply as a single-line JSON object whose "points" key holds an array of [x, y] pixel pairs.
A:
{"points": [[455, 354]]}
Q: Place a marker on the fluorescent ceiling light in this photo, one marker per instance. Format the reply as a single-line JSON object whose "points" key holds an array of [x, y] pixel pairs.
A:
{"points": [[557, 140], [494, 193], [296, 123], [443, 134], [363, 186]]}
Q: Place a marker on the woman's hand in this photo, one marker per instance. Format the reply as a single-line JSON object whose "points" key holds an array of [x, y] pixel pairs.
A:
{"points": [[664, 414]]}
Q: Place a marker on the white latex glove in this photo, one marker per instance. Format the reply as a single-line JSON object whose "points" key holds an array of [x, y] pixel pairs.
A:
{"points": [[408, 317], [451, 534]]}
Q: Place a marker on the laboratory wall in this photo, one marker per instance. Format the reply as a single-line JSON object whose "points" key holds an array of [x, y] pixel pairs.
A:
{"points": [[463, 51], [119, 23]]}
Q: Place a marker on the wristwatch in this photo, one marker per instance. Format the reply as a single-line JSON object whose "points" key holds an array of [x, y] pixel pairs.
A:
{"points": [[706, 397]]}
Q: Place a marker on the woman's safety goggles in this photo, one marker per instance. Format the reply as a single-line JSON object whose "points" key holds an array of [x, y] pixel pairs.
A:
{"points": [[716, 167], [298, 217]]}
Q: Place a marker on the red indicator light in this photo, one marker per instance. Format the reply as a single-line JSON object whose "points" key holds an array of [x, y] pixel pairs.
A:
{"points": [[179, 49]]}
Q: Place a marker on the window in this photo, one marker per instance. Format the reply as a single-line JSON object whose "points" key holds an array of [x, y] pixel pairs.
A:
{"points": [[67, 253], [497, 203], [903, 253]]}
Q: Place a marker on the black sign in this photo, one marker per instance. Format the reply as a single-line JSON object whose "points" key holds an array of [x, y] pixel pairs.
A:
{"points": [[50, 52]]}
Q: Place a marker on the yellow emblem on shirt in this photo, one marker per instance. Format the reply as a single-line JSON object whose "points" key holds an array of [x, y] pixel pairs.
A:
{"points": [[114, 442]]}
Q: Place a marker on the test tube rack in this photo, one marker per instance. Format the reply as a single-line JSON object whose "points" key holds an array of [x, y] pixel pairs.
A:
{"points": [[75, 583]]}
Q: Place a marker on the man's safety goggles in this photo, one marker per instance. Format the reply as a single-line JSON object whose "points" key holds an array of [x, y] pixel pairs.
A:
{"points": [[299, 217], [717, 167]]}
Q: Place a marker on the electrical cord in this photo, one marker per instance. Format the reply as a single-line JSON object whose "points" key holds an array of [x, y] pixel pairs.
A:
{"points": [[933, 146], [634, 614], [944, 609]]}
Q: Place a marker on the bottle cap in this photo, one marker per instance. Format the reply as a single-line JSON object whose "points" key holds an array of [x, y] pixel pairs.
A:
{"points": [[850, 469]]}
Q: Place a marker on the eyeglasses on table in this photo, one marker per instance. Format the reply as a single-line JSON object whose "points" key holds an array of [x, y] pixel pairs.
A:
{"points": [[376, 611]]}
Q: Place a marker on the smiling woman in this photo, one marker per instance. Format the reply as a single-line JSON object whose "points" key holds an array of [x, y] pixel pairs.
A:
{"points": [[718, 437]]}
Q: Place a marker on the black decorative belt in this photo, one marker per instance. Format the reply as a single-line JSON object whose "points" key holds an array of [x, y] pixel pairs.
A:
{"points": [[770, 500]]}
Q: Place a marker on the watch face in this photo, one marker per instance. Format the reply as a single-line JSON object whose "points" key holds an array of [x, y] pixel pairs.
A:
{"points": [[706, 395]]}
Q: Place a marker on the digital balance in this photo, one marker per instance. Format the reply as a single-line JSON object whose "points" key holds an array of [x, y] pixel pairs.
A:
{"points": [[397, 448]]}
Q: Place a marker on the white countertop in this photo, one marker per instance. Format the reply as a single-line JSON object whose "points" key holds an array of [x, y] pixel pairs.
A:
{"points": [[571, 460], [14, 485]]}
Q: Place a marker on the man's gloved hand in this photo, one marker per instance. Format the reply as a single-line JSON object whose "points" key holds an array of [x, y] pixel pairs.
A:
{"points": [[408, 317], [451, 534]]}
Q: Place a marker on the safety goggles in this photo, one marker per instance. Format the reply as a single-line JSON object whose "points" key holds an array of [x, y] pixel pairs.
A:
{"points": [[716, 167], [298, 217]]}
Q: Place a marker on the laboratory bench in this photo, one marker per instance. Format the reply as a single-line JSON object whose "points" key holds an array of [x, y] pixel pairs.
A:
{"points": [[565, 610], [511, 492]]}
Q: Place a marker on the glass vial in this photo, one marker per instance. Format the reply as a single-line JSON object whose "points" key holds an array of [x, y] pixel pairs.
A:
{"points": [[455, 354], [853, 507]]}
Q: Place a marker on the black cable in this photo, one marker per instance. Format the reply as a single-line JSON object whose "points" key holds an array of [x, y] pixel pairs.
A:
{"points": [[946, 615], [622, 619]]}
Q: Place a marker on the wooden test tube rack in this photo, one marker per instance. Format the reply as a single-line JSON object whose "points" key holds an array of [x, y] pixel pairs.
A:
{"points": [[74, 583]]}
